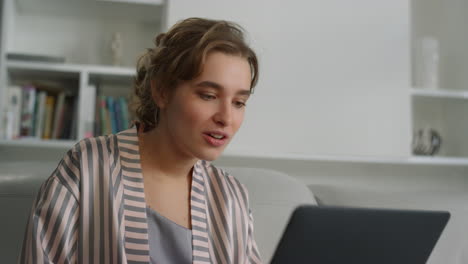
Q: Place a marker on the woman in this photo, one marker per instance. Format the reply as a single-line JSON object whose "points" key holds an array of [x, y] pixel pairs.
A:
{"points": [[149, 194]]}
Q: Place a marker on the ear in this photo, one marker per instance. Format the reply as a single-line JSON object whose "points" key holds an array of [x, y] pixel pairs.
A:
{"points": [[159, 97]]}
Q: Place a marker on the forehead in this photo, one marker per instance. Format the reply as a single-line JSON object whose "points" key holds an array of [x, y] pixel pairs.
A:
{"points": [[229, 71]]}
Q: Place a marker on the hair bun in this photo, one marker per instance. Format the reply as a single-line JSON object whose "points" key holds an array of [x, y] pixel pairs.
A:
{"points": [[159, 41]]}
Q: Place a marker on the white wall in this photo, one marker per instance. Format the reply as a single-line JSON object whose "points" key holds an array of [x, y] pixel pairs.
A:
{"points": [[334, 74]]}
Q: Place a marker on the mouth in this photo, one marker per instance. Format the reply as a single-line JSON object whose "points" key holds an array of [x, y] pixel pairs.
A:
{"points": [[216, 139]]}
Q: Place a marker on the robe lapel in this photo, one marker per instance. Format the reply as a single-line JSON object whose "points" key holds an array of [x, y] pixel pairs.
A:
{"points": [[198, 205], [135, 222]]}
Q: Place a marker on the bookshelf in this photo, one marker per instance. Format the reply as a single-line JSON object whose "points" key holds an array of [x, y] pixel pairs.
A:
{"points": [[79, 33]]}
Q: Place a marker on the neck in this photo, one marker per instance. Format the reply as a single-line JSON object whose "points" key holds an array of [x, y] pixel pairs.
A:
{"points": [[160, 155]]}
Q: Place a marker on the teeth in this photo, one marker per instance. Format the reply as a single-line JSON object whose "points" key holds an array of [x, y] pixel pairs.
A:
{"points": [[217, 136]]}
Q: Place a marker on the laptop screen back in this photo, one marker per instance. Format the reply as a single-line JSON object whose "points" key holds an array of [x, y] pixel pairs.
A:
{"points": [[329, 235]]}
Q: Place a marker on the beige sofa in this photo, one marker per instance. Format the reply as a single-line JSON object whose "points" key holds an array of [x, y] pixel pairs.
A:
{"points": [[273, 196]]}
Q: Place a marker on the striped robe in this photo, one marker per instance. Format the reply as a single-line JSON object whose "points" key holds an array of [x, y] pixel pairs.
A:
{"points": [[92, 210]]}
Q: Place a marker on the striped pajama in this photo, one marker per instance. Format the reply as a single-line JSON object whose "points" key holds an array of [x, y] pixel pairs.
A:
{"points": [[92, 210]]}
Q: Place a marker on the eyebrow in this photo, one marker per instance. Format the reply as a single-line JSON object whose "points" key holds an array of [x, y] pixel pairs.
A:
{"points": [[218, 86]]}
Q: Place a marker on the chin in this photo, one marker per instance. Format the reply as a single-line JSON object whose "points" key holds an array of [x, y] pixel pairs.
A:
{"points": [[209, 155]]}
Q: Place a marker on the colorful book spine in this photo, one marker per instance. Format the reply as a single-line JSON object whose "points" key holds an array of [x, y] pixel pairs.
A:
{"points": [[39, 115], [49, 115], [74, 123], [68, 117], [111, 111], [124, 110], [118, 114], [58, 115], [104, 116], [97, 118]]}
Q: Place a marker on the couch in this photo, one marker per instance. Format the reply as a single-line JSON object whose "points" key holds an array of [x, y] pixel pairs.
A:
{"points": [[273, 196]]}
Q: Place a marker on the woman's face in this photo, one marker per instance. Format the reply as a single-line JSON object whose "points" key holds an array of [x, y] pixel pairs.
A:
{"points": [[204, 114]]}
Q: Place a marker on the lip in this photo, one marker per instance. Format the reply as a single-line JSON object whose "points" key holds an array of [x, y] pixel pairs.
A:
{"points": [[213, 141]]}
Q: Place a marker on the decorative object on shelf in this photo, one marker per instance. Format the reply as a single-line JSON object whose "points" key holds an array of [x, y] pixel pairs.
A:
{"points": [[428, 62], [34, 57], [116, 48], [426, 142]]}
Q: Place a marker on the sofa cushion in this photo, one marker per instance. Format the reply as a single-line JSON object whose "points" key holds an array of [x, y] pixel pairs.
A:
{"points": [[273, 197], [19, 184]]}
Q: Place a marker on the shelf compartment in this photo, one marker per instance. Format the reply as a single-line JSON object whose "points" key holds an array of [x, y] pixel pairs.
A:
{"points": [[82, 31], [137, 10], [448, 117]]}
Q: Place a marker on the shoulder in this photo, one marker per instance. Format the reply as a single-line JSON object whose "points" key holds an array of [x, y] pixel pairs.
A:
{"points": [[86, 153], [95, 145]]}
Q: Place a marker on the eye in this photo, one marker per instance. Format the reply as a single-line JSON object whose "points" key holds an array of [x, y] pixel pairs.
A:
{"points": [[239, 104], [207, 97]]}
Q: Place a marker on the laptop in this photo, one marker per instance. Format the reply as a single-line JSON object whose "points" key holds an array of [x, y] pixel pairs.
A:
{"points": [[337, 235]]}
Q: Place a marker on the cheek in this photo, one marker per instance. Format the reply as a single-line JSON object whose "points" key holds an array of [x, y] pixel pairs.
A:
{"points": [[239, 119], [190, 115]]}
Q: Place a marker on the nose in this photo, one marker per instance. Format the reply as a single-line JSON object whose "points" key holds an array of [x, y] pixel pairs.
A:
{"points": [[223, 116]]}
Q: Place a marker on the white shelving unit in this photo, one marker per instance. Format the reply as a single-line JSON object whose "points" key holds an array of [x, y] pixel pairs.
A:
{"points": [[444, 109], [79, 31], [148, 17]]}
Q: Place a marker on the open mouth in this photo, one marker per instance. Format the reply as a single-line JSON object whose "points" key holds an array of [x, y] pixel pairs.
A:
{"points": [[216, 136], [215, 139]]}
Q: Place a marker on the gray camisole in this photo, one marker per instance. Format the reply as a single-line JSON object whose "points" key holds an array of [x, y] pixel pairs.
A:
{"points": [[168, 241]]}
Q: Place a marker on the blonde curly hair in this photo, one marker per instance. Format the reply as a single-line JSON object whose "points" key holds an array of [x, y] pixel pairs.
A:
{"points": [[179, 55]]}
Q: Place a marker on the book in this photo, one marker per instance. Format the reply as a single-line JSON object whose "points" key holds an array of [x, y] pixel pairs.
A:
{"points": [[49, 115], [27, 111], [88, 113], [68, 118], [13, 113], [104, 116], [118, 114], [39, 114], [108, 117], [74, 124], [97, 117], [125, 114], [58, 113], [111, 113]]}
